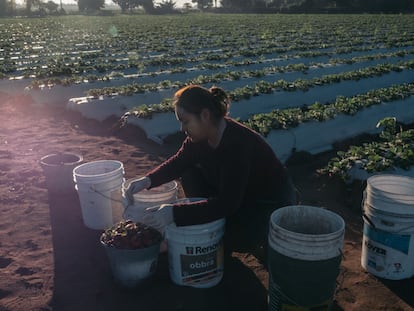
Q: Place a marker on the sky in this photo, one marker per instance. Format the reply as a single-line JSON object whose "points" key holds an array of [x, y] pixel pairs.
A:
{"points": [[178, 3]]}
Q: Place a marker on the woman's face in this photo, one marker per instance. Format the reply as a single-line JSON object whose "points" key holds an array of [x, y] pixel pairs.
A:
{"points": [[194, 126]]}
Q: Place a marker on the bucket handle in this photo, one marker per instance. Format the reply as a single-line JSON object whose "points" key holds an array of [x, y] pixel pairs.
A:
{"points": [[341, 253], [105, 196], [182, 200], [289, 299], [364, 197], [284, 295], [365, 217]]}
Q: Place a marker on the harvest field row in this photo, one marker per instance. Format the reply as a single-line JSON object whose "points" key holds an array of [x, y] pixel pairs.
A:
{"points": [[94, 44], [276, 68]]}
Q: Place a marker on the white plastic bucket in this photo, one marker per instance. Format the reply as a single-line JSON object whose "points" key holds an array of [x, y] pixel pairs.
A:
{"points": [[99, 186], [305, 252], [166, 193], [196, 254], [132, 267], [388, 235], [391, 193], [57, 168]]}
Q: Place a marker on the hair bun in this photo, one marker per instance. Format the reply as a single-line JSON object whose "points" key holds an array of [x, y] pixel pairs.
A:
{"points": [[218, 92], [221, 98]]}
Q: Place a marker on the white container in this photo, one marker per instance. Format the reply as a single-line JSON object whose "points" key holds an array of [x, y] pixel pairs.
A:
{"points": [[306, 232], [305, 252], [389, 192], [166, 193], [99, 186], [132, 267], [196, 254], [388, 235], [57, 168]]}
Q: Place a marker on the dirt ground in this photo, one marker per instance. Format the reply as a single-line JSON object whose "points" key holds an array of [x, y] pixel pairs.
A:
{"points": [[50, 261]]}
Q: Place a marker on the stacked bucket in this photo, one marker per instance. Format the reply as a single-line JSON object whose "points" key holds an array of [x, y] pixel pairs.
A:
{"points": [[57, 168], [305, 253], [99, 186], [388, 239], [305, 242]]}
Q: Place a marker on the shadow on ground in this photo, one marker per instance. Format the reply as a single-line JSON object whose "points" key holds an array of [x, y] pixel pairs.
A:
{"points": [[83, 279], [401, 288]]}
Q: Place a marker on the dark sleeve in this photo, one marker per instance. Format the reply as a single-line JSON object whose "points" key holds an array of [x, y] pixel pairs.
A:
{"points": [[173, 167], [234, 173]]}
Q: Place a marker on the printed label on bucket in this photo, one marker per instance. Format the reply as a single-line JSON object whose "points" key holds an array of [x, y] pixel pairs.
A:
{"points": [[200, 264], [386, 254], [399, 242], [382, 261]]}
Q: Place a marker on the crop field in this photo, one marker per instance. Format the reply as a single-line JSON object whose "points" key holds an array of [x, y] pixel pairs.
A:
{"points": [[302, 81]]}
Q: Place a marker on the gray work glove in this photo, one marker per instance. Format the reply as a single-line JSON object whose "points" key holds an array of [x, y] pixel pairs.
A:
{"points": [[136, 186], [159, 217]]}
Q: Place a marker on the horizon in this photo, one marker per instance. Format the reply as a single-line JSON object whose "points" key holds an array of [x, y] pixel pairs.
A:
{"points": [[178, 3]]}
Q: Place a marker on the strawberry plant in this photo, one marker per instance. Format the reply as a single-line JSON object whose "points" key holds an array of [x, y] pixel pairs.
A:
{"points": [[291, 117], [394, 149], [130, 235]]}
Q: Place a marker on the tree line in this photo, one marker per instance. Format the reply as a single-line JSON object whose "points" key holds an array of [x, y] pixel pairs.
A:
{"points": [[41, 7]]}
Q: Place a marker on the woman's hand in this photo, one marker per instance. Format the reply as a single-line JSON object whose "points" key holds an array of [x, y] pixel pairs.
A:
{"points": [[136, 186], [159, 217]]}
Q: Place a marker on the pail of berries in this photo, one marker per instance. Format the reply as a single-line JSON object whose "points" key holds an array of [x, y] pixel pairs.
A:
{"points": [[133, 249]]}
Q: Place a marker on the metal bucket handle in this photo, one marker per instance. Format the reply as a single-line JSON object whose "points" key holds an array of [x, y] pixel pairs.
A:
{"points": [[182, 200], [368, 220]]}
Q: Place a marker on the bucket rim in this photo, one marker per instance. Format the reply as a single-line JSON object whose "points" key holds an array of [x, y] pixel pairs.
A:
{"points": [[391, 197], [300, 235], [126, 250], [369, 207], [196, 229], [306, 246], [76, 155], [79, 167], [167, 188], [372, 182]]}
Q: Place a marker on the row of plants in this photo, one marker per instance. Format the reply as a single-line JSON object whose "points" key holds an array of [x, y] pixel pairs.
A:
{"points": [[393, 149], [261, 87], [194, 38], [292, 117], [229, 34], [71, 70], [78, 49], [45, 64], [97, 61], [264, 87], [100, 62]]}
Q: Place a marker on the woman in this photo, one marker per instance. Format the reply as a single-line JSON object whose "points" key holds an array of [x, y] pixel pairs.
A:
{"points": [[228, 164]]}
